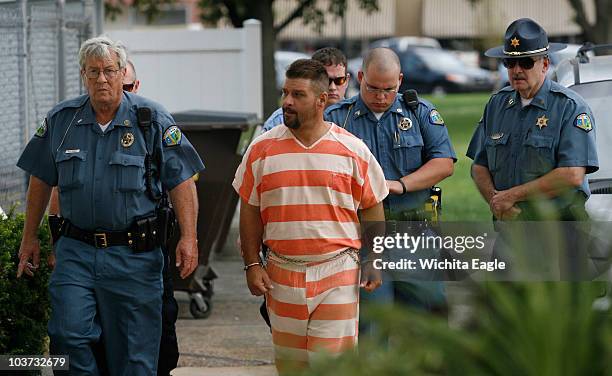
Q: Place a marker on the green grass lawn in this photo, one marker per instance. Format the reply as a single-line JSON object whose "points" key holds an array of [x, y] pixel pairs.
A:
{"points": [[461, 200]]}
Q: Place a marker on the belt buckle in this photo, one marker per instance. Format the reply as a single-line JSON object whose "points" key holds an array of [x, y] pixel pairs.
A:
{"points": [[100, 240]]}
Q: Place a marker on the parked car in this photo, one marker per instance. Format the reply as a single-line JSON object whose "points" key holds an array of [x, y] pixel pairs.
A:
{"points": [[282, 59], [435, 70], [439, 71], [591, 77], [403, 43]]}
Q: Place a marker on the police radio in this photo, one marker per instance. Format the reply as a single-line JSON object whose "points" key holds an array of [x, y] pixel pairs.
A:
{"points": [[166, 219], [433, 205], [144, 121], [411, 99]]}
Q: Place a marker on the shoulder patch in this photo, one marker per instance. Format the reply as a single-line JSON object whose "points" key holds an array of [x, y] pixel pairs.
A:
{"points": [[435, 117], [583, 121], [42, 129], [172, 136]]}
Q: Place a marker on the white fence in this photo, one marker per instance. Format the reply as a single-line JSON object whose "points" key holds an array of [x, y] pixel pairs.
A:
{"points": [[209, 69]]}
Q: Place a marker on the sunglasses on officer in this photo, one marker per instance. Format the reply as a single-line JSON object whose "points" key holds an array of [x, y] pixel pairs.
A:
{"points": [[523, 62], [129, 87], [339, 81]]}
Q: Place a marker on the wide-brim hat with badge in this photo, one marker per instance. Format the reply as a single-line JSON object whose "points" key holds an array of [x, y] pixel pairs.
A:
{"points": [[524, 37]]}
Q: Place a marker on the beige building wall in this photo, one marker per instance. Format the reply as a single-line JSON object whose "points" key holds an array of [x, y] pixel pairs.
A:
{"points": [[461, 19], [360, 24], [408, 17]]}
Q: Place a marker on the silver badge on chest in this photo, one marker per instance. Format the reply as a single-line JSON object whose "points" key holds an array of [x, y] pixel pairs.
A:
{"points": [[404, 124], [127, 140]]}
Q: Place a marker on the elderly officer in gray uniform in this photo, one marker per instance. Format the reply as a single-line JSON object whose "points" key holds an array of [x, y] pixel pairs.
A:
{"points": [[536, 139], [110, 153], [412, 146]]}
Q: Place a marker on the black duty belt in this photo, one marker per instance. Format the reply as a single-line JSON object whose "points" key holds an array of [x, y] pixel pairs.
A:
{"points": [[141, 237]]}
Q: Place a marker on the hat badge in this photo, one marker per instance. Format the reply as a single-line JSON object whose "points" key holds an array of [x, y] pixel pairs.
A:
{"points": [[515, 42]]}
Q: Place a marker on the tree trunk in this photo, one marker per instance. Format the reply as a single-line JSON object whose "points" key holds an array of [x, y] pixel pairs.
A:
{"points": [[603, 28], [601, 31], [262, 10]]}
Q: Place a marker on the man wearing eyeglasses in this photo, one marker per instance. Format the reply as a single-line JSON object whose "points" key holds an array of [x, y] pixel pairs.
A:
{"points": [[335, 64], [168, 349], [413, 148], [107, 281], [536, 138]]}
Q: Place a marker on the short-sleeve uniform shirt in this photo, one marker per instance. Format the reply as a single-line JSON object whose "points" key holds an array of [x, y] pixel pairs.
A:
{"points": [[101, 175], [402, 141], [520, 144]]}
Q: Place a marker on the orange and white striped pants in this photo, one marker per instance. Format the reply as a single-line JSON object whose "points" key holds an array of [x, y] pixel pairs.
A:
{"points": [[312, 308]]}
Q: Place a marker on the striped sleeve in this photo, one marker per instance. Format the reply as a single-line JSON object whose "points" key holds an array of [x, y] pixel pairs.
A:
{"points": [[245, 179], [374, 186]]}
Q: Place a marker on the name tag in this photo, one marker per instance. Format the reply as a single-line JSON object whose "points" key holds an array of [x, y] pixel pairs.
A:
{"points": [[72, 151]]}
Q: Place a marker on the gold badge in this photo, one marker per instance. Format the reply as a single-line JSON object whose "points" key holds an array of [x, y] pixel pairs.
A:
{"points": [[514, 42], [542, 122], [405, 124], [127, 140]]}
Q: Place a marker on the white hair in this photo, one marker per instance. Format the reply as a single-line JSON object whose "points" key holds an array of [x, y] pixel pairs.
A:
{"points": [[101, 47]]}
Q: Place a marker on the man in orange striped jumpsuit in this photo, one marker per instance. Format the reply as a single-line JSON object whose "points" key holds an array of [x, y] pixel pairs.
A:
{"points": [[301, 187]]}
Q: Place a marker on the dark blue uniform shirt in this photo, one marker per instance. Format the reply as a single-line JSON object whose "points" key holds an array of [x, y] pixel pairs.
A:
{"points": [[401, 141], [519, 144], [101, 175]]}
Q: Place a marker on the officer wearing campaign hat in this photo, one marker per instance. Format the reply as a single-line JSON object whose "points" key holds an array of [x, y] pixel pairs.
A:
{"points": [[524, 37], [536, 138]]}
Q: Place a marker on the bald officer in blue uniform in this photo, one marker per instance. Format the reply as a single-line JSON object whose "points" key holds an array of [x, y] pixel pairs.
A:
{"points": [[536, 139], [413, 149], [107, 279]]}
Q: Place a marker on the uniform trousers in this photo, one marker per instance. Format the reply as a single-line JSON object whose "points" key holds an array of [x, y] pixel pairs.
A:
{"points": [[112, 291]]}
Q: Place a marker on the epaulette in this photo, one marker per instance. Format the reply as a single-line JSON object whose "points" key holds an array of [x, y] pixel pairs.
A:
{"points": [[69, 103]]}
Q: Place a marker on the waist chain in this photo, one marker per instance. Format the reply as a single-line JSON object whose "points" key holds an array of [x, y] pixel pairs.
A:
{"points": [[353, 253]]}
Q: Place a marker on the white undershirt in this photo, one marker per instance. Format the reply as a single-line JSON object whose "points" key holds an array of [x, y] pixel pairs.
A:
{"points": [[103, 127], [378, 115], [525, 102]]}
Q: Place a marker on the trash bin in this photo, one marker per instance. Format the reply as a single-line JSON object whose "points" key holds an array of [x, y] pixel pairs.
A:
{"points": [[221, 138]]}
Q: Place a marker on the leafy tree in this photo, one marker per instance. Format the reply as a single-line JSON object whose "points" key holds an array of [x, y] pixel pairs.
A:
{"points": [[311, 12], [599, 32]]}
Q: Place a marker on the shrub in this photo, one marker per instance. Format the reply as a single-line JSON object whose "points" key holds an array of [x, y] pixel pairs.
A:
{"points": [[516, 329], [24, 302]]}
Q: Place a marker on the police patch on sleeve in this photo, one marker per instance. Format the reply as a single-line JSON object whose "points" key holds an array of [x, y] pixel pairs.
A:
{"points": [[172, 136], [583, 121], [41, 131], [435, 117]]}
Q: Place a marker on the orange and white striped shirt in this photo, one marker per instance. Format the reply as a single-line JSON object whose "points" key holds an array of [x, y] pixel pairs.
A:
{"points": [[309, 196]]}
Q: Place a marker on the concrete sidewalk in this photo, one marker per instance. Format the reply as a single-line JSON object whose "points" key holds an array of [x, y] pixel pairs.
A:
{"points": [[234, 340], [225, 371]]}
